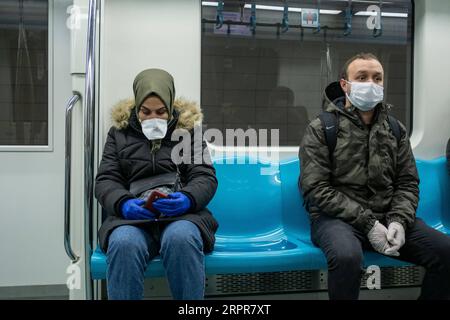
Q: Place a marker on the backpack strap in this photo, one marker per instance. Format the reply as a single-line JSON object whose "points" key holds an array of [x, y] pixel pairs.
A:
{"points": [[329, 122], [395, 127]]}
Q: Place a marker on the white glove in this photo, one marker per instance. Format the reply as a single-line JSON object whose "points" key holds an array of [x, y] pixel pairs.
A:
{"points": [[395, 236], [378, 239]]}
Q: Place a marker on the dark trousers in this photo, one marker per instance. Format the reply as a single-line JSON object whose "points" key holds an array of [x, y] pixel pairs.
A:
{"points": [[343, 247]]}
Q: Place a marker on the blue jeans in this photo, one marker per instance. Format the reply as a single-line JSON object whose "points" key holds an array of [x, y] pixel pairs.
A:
{"points": [[131, 249]]}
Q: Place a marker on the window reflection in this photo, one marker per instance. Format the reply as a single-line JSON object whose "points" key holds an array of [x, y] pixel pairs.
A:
{"points": [[24, 72], [274, 80]]}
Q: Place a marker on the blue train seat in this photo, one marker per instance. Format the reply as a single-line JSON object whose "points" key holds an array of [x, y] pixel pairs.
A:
{"points": [[265, 228]]}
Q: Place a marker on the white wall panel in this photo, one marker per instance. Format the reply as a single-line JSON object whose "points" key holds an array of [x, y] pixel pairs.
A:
{"points": [[431, 129], [32, 183], [136, 35]]}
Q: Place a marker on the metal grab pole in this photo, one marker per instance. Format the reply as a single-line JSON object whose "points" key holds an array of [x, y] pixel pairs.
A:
{"points": [[68, 161], [89, 120]]}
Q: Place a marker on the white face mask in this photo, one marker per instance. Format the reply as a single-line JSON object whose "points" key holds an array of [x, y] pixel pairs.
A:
{"points": [[154, 128], [365, 95]]}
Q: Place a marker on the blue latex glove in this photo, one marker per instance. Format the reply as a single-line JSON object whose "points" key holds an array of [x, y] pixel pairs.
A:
{"points": [[132, 210], [175, 204]]}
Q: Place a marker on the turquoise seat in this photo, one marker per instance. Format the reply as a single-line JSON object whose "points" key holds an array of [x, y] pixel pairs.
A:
{"points": [[434, 204], [265, 228]]}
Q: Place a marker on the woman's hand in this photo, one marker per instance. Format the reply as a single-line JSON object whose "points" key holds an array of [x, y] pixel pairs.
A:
{"points": [[174, 205], [132, 210]]}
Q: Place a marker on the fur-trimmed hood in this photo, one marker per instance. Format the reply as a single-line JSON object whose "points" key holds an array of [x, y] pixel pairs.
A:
{"points": [[189, 113]]}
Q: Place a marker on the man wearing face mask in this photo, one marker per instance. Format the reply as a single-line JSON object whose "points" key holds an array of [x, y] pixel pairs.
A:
{"points": [[362, 194], [180, 228]]}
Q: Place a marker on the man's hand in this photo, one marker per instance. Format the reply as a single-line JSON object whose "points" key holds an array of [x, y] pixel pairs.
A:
{"points": [[378, 239], [395, 236]]}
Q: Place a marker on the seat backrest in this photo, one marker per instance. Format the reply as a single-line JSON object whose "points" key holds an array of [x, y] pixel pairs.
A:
{"points": [[295, 216], [249, 203], [434, 203], [246, 202]]}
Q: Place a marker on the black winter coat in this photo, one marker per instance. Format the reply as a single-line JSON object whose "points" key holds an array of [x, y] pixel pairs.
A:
{"points": [[127, 158]]}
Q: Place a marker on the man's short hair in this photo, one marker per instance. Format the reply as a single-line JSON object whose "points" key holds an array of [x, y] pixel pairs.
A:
{"points": [[362, 56]]}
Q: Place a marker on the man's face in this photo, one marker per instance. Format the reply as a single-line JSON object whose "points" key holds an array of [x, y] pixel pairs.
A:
{"points": [[363, 71]]}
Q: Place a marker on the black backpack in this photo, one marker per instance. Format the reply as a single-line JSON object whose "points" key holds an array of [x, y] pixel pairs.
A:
{"points": [[330, 125]]}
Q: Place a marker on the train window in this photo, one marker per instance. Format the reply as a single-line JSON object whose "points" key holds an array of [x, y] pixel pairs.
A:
{"points": [[268, 69], [23, 76]]}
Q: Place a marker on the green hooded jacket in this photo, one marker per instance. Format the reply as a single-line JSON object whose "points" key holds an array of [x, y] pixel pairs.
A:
{"points": [[370, 176]]}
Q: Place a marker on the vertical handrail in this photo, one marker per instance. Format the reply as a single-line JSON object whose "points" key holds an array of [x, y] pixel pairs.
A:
{"points": [[68, 159], [89, 120], [219, 15], [253, 18], [285, 21], [348, 19], [318, 17]]}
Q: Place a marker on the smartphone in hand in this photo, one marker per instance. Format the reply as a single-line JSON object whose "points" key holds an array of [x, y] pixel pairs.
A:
{"points": [[154, 195]]}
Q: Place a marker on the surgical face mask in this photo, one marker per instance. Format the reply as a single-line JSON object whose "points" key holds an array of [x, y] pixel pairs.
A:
{"points": [[154, 128], [365, 95]]}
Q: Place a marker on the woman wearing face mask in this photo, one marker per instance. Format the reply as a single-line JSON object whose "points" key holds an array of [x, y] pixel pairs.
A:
{"points": [[179, 228]]}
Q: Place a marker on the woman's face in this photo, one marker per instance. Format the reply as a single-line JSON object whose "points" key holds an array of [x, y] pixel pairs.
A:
{"points": [[153, 107]]}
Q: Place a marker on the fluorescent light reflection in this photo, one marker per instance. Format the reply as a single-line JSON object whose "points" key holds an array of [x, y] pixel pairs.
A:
{"points": [[383, 14], [270, 8]]}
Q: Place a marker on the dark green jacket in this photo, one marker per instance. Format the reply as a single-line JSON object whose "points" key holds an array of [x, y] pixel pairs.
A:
{"points": [[370, 178]]}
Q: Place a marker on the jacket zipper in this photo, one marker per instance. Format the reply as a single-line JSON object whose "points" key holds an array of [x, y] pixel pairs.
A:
{"points": [[153, 165], [153, 162]]}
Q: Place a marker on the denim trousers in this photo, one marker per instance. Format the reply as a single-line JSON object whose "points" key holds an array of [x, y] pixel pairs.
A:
{"points": [[131, 249], [343, 247]]}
